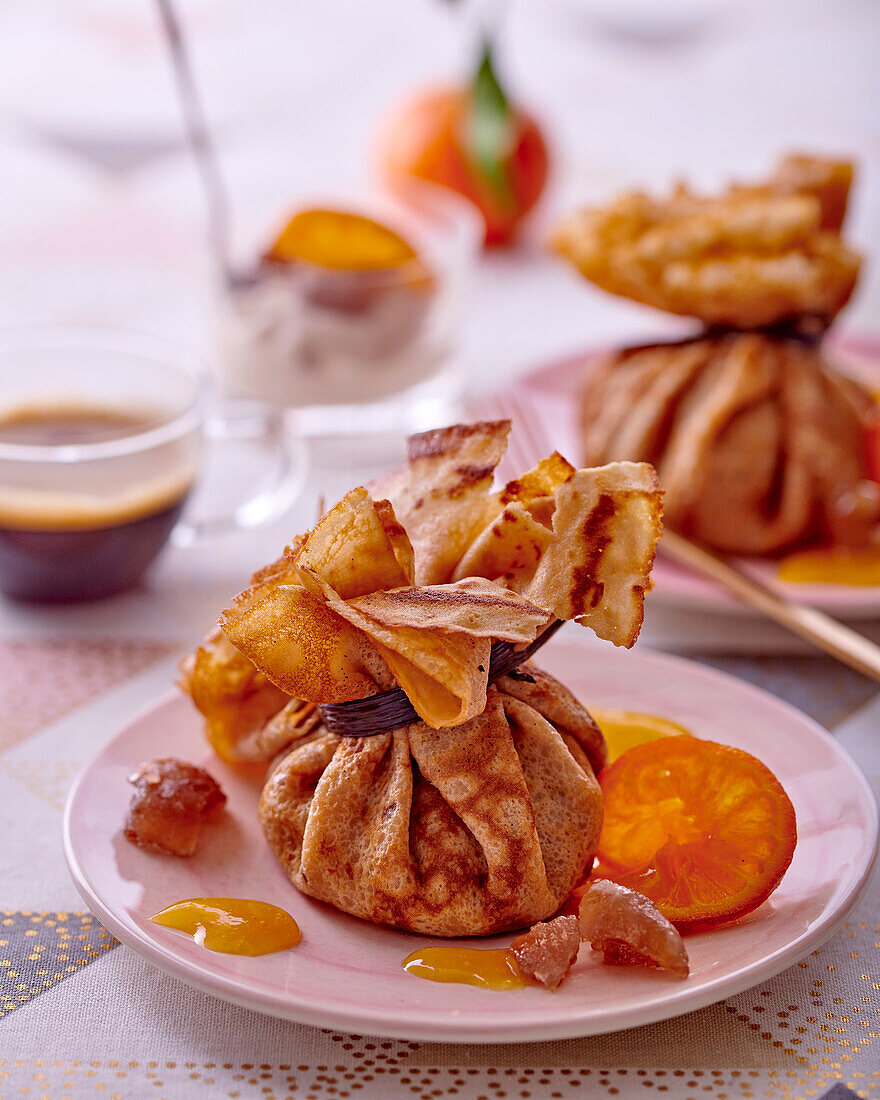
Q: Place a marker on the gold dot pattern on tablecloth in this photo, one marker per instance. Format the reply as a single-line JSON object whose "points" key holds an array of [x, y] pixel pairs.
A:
{"points": [[816, 1027], [55, 1080], [40, 949], [799, 1020], [69, 672]]}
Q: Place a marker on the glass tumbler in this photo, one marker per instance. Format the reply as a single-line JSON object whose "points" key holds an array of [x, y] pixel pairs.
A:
{"points": [[101, 443]]}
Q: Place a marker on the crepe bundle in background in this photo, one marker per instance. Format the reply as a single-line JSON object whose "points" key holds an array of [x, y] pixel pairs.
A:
{"points": [[757, 441], [485, 814], [761, 446]]}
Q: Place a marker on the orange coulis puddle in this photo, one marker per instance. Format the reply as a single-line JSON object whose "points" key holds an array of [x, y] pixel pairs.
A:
{"points": [[489, 969], [832, 566], [624, 728], [235, 926]]}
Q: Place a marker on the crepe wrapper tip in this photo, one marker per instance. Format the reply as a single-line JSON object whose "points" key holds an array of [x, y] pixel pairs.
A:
{"points": [[409, 583]]}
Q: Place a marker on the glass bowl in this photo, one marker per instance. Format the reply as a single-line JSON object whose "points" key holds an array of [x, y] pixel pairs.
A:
{"points": [[354, 352]]}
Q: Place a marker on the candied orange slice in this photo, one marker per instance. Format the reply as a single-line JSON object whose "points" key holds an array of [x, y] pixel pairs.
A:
{"points": [[341, 240], [705, 831]]}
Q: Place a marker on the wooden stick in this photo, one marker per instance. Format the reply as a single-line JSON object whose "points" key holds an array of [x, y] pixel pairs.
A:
{"points": [[814, 626]]}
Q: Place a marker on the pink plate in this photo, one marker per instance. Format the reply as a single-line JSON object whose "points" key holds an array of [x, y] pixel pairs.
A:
{"points": [[544, 409], [347, 973]]}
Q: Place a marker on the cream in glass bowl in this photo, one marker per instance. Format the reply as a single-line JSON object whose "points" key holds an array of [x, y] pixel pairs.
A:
{"points": [[350, 316]]}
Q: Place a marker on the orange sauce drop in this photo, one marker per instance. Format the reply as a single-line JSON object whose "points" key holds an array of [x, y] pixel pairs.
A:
{"points": [[489, 969], [834, 566], [624, 728], [235, 926]]}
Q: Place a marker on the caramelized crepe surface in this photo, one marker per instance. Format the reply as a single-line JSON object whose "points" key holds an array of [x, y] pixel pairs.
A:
{"points": [[752, 257], [483, 815], [579, 543]]}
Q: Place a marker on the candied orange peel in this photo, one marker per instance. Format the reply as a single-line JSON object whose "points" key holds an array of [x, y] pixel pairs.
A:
{"points": [[624, 728], [340, 239], [705, 831]]}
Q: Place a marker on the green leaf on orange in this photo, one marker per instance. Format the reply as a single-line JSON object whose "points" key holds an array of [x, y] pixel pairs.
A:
{"points": [[490, 135]]}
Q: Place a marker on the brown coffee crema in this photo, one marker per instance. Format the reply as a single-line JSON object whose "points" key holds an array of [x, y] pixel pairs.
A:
{"points": [[62, 425], [78, 541]]}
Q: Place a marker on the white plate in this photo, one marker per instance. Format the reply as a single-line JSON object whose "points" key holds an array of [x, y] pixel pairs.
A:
{"points": [[545, 407], [347, 973]]}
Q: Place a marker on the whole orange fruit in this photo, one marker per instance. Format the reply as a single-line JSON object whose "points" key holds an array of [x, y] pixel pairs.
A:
{"points": [[474, 141]]}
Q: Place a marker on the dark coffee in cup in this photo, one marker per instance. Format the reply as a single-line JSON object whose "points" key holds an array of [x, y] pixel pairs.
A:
{"points": [[102, 437], [95, 531]]}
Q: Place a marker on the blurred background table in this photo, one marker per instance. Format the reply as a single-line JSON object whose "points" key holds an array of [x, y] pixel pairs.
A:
{"points": [[102, 222]]}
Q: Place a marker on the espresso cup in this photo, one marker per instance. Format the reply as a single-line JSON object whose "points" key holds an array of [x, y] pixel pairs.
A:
{"points": [[102, 438]]}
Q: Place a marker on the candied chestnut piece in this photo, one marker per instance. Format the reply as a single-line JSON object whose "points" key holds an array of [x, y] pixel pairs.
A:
{"points": [[172, 800], [630, 930], [546, 952]]}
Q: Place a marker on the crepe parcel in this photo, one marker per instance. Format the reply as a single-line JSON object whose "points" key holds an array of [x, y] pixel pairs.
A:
{"points": [[483, 814], [761, 446]]}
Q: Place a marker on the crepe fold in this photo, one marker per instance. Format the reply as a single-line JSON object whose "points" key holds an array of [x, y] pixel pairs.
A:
{"points": [[463, 832], [579, 543], [758, 441], [485, 813], [341, 608], [325, 638]]}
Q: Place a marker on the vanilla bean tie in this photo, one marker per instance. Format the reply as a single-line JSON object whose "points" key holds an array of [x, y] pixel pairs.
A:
{"points": [[391, 710]]}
